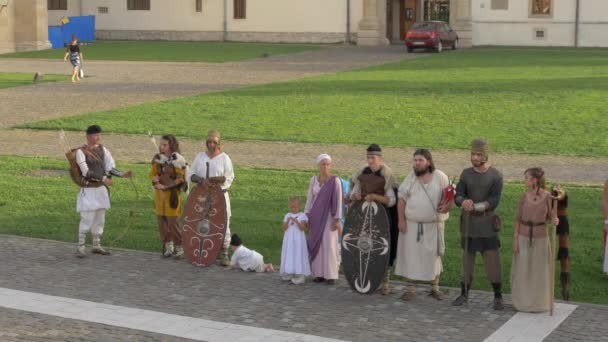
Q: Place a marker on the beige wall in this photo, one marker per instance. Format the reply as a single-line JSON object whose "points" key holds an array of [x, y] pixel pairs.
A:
{"points": [[7, 32], [516, 26], [178, 18], [73, 10], [23, 26]]}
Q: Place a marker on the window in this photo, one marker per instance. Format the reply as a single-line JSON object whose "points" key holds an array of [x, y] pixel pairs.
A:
{"points": [[138, 5], [499, 5], [102, 10], [541, 7], [199, 5], [239, 9], [57, 5]]}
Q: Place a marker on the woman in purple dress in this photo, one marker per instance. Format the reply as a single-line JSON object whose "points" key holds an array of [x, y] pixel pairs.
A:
{"points": [[324, 210]]}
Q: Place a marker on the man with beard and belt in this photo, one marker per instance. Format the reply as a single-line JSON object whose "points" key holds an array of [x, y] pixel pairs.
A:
{"points": [[376, 183], [220, 172], [97, 168], [478, 193], [422, 217]]}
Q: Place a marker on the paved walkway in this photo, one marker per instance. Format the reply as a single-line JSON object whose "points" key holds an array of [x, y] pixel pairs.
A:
{"points": [[119, 84], [298, 156], [47, 294], [112, 84]]}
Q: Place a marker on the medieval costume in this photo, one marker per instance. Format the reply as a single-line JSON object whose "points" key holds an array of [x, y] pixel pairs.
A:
{"points": [[218, 169], [96, 166], [531, 267], [295, 263], [380, 182], [479, 227], [324, 209], [421, 247], [563, 232], [171, 174]]}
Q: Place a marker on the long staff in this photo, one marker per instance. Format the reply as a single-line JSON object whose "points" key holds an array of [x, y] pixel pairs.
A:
{"points": [[554, 252], [467, 223]]}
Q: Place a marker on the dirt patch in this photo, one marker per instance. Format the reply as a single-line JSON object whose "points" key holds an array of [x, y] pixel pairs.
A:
{"points": [[48, 173], [298, 156]]}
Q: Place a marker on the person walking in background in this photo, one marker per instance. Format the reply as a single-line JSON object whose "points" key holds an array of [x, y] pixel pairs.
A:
{"points": [[73, 52]]}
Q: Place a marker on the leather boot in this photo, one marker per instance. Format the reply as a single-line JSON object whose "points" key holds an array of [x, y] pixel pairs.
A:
{"points": [[564, 278], [464, 294], [97, 249], [498, 303], [386, 288]]}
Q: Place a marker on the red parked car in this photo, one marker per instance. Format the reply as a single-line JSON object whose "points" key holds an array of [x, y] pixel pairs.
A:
{"points": [[435, 35]]}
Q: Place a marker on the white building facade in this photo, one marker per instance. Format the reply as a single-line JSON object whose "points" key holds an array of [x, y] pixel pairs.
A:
{"points": [[582, 23]]}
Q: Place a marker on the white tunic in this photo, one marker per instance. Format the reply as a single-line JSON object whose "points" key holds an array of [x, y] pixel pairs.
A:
{"points": [[294, 254], [247, 259], [219, 166], [93, 198], [417, 252]]}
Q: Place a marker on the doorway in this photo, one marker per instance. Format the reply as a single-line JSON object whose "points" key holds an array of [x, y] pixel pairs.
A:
{"points": [[407, 16]]}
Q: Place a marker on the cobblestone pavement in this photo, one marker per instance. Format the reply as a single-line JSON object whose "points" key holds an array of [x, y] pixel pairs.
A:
{"points": [[144, 281]]}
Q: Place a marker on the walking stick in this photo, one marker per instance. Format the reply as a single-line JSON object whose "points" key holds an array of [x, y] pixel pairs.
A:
{"points": [[554, 252], [467, 223]]}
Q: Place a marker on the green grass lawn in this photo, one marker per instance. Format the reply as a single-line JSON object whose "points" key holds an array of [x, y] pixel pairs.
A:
{"points": [[15, 79], [165, 51], [44, 207], [542, 101]]}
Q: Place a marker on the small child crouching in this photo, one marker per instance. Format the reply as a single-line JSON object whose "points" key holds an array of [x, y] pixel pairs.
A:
{"points": [[246, 259]]}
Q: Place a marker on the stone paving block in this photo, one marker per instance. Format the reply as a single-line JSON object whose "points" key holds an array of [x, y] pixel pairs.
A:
{"points": [[130, 279]]}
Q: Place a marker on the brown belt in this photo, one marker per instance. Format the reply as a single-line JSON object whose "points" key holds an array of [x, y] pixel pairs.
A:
{"points": [[480, 213], [531, 225]]}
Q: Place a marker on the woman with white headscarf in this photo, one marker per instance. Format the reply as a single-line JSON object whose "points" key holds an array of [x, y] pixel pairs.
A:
{"points": [[324, 210]]}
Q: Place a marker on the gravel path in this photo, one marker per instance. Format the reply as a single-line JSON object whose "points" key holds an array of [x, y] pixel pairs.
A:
{"points": [[285, 155], [120, 84]]}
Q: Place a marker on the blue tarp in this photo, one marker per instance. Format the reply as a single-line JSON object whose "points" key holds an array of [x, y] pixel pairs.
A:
{"points": [[55, 37], [83, 27]]}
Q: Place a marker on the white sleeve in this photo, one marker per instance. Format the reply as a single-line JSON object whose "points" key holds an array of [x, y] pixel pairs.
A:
{"points": [[285, 218], [356, 188], [235, 259], [228, 173], [303, 218], [82, 163], [391, 198], [339, 193], [194, 169], [108, 161], [405, 187]]}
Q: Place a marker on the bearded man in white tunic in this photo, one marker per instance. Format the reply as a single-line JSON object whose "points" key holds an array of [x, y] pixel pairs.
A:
{"points": [[421, 225], [97, 168], [216, 165]]}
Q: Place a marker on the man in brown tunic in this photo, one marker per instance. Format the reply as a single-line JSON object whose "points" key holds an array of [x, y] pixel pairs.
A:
{"points": [[376, 183]]}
